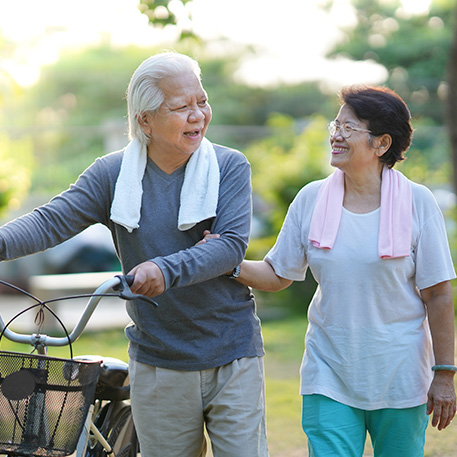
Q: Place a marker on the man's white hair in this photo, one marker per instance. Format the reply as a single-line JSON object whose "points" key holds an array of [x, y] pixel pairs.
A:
{"points": [[143, 92]]}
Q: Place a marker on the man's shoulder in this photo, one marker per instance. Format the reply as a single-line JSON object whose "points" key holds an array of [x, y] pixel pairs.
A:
{"points": [[110, 162], [230, 155], [225, 150]]}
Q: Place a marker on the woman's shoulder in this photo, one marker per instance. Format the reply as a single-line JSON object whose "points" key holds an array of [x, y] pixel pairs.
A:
{"points": [[421, 193], [424, 201], [303, 203], [309, 191]]}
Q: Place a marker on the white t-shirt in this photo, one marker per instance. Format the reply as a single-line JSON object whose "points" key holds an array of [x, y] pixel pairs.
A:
{"points": [[368, 343]]}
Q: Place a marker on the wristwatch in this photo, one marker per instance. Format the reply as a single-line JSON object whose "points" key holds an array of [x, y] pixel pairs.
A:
{"points": [[235, 273]]}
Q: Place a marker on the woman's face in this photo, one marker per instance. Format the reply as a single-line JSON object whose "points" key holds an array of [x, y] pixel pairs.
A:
{"points": [[179, 125], [352, 149]]}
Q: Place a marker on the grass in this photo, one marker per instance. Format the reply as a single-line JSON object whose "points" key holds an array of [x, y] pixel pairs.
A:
{"points": [[284, 347]]}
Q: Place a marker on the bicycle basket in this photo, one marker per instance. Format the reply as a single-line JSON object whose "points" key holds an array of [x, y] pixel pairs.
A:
{"points": [[44, 402]]}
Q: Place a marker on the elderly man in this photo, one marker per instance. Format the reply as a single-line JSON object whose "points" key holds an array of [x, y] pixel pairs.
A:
{"points": [[197, 360]]}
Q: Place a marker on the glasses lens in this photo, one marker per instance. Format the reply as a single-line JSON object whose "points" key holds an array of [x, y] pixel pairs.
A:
{"points": [[333, 127], [345, 130]]}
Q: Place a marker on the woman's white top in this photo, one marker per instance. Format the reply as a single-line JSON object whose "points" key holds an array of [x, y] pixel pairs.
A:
{"points": [[368, 343]]}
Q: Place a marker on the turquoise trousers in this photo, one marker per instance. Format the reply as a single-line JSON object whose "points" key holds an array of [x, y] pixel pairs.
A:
{"points": [[337, 430]]}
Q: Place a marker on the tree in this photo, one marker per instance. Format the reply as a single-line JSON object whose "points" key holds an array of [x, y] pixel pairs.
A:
{"points": [[169, 12], [451, 106], [413, 48]]}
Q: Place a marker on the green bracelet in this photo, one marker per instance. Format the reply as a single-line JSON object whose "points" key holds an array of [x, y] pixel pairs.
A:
{"points": [[444, 368]]}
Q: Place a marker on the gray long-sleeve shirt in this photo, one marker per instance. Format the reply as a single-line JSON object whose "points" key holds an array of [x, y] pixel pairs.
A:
{"points": [[204, 319]]}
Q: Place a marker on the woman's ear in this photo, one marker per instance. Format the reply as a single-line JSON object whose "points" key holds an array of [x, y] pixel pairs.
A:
{"points": [[382, 144]]}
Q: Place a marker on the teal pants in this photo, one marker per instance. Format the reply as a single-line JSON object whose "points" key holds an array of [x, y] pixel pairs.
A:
{"points": [[337, 430]]}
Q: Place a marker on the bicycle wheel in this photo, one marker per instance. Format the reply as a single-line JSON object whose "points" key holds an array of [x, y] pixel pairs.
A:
{"points": [[119, 432]]}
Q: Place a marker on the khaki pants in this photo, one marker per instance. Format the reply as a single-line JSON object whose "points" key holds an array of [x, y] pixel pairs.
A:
{"points": [[171, 409]]}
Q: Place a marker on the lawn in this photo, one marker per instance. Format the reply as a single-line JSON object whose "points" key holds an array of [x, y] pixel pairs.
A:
{"points": [[284, 346]]}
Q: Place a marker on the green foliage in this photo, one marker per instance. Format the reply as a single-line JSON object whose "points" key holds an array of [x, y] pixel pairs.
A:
{"points": [[284, 162], [427, 161], [65, 112], [414, 49], [291, 157], [84, 87], [68, 108], [236, 104], [16, 164], [164, 13], [281, 130]]}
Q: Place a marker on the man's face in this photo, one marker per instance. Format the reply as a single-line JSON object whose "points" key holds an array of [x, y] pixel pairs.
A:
{"points": [[179, 125]]}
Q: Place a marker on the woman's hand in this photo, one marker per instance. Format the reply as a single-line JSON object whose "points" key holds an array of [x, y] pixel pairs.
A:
{"points": [[441, 399], [207, 235], [441, 395]]}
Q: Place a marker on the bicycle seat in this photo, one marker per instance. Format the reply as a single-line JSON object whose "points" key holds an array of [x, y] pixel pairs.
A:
{"points": [[113, 383]]}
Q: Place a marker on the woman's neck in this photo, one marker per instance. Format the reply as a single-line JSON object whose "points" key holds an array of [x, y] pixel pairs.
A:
{"points": [[362, 194]]}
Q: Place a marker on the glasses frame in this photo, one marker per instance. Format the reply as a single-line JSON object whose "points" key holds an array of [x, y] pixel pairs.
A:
{"points": [[345, 127]]}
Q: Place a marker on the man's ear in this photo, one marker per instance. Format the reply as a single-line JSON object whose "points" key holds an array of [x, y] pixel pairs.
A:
{"points": [[143, 121], [382, 144]]}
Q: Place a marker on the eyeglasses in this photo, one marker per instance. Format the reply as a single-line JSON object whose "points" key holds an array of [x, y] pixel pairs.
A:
{"points": [[345, 129]]}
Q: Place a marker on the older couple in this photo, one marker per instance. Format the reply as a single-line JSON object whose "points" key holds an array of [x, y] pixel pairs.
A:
{"points": [[179, 210]]}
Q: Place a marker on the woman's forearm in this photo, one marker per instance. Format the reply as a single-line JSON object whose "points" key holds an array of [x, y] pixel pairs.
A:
{"points": [[260, 275], [440, 309]]}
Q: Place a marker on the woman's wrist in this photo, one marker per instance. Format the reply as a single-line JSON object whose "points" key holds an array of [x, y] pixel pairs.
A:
{"points": [[233, 274], [451, 368]]}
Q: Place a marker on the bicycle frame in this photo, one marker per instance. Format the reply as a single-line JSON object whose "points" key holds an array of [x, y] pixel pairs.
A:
{"points": [[41, 342]]}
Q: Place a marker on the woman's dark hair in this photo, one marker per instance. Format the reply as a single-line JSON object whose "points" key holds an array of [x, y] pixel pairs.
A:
{"points": [[385, 112]]}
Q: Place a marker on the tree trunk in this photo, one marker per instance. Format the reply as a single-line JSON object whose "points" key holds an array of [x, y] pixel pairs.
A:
{"points": [[451, 105]]}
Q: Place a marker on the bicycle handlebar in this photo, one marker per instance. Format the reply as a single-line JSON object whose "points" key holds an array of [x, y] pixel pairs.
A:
{"points": [[119, 282]]}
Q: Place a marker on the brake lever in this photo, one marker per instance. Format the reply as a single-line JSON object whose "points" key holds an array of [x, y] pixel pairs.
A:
{"points": [[127, 294]]}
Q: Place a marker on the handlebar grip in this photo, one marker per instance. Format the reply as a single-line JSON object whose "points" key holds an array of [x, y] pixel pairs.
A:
{"points": [[129, 279], [124, 280], [126, 293]]}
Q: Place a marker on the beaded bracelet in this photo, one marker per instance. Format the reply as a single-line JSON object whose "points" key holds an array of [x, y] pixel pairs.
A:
{"points": [[444, 368]]}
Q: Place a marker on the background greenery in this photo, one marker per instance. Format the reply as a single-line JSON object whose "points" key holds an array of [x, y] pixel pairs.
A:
{"points": [[51, 132]]}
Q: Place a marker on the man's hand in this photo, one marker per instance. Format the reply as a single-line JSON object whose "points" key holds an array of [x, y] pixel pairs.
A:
{"points": [[149, 280]]}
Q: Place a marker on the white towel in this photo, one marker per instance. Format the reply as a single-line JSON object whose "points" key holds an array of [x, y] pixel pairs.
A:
{"points": [[199, 193]]}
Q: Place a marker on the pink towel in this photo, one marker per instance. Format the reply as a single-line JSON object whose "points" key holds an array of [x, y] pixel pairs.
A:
{"points": [[395, 225]]}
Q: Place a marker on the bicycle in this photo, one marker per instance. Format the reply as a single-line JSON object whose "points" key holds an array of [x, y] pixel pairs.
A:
{"points": [[57, 407]]}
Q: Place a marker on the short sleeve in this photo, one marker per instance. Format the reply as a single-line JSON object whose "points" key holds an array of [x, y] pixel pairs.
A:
{"points": [[288, 255], [433, 258]]}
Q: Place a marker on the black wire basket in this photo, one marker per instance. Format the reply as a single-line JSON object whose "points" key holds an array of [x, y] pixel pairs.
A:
{"points": [[44, 402]]}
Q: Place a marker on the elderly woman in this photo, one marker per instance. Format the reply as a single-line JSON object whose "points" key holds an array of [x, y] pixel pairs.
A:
{"points": [[379, 349], [196, 361]]}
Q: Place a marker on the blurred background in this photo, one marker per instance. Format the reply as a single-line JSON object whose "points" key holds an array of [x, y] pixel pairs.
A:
{"points": [[272, 70]]}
